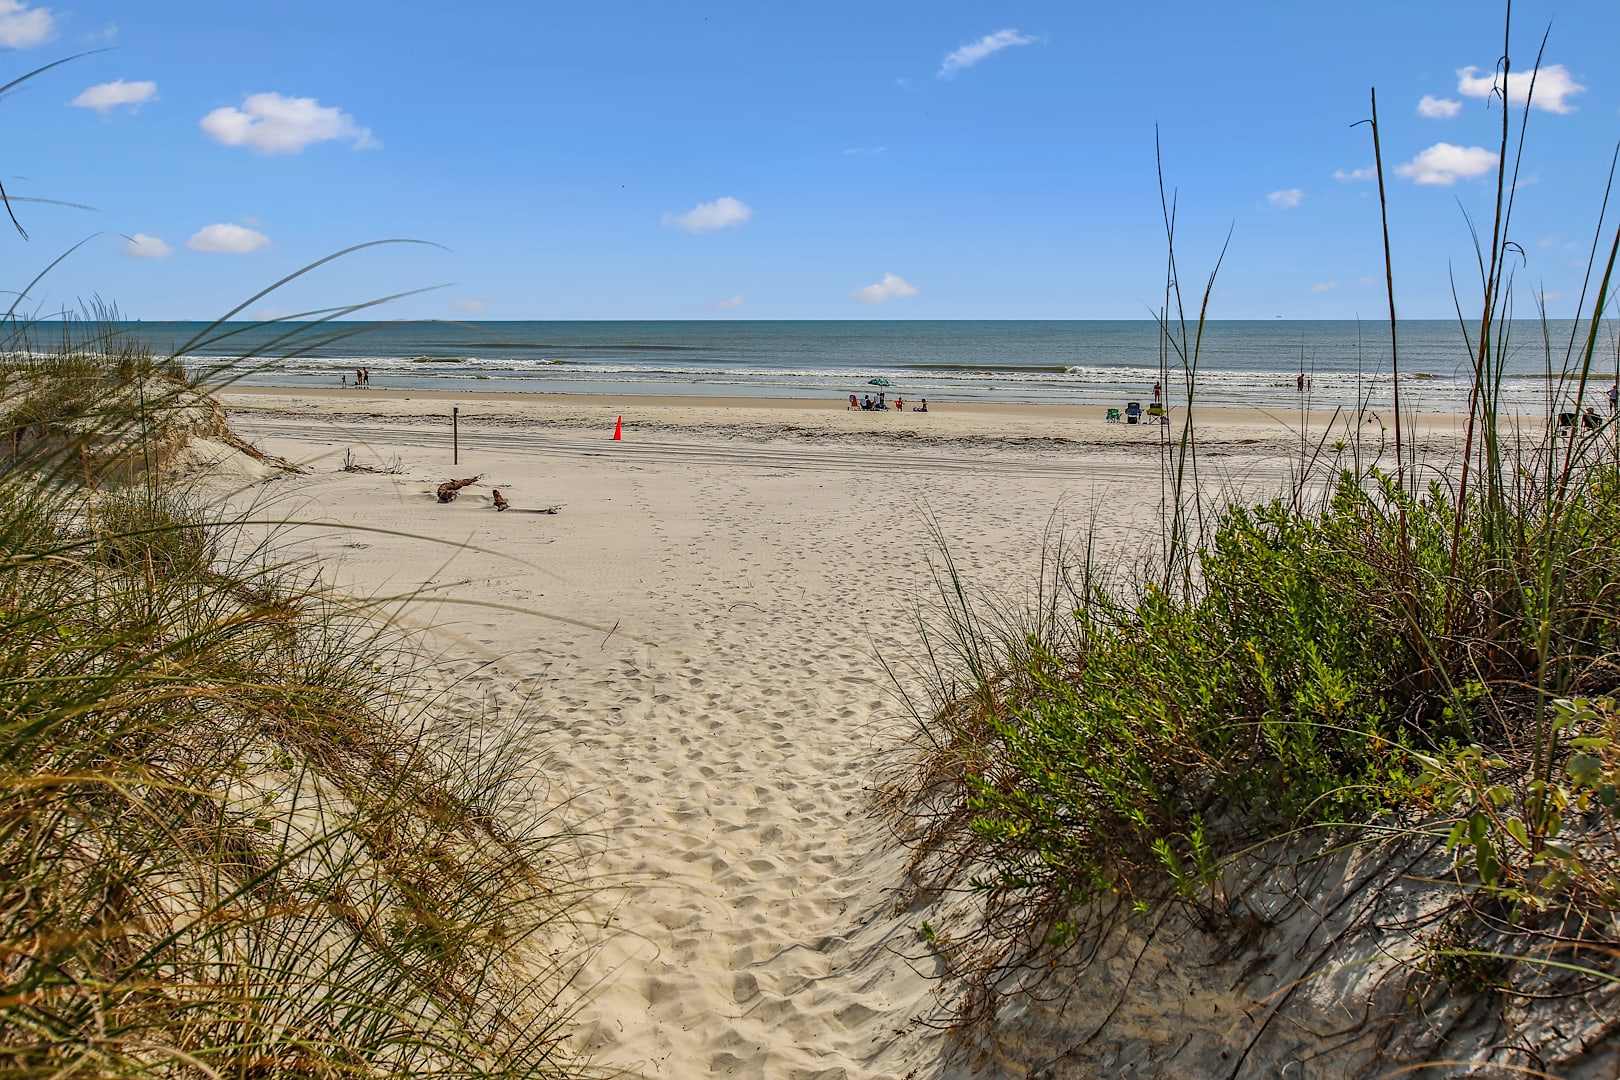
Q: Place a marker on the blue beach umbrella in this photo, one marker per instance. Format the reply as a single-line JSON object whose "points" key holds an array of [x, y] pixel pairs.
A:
{"points": [[879, 382]]}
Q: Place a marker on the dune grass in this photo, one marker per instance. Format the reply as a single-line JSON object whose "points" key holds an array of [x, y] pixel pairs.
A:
{"points": [[236, 836], [1427, 650]]}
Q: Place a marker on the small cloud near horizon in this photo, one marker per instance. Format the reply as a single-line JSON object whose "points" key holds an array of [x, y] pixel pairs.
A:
{"points": [[1552, 85], [1287, 199], [891, 287], [105, 97], [1366, 279], [852, 151], [226, 239], [470, 305], [273, 123], [1345, 176], [731, 304], [1444, 164], [1438, 108], [1324, 286], [724, 213], [972, 53], [23, 27], [142, 246]]}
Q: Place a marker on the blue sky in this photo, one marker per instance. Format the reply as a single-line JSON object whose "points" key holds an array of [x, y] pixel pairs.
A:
{"points": [[827, 161]]}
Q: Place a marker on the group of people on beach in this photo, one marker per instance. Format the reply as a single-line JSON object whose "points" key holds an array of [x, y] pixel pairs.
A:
{"points": [[1590, 418], [362, 377], [880, 404]]}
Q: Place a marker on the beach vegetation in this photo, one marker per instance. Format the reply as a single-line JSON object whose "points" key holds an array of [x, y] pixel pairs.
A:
{"points": [[1394, 650], [234, 840]]}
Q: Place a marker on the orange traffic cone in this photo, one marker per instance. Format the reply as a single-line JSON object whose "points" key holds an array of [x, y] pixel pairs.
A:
{"points": [[618, 430]]}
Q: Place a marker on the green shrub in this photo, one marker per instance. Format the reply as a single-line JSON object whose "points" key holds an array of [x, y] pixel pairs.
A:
{"points": [[1322, 659]]}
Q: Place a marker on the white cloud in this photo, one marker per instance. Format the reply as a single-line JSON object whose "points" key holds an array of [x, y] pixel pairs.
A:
{"points": [[1437, 108], [725, 212], [1553, 85], [729, 305], [1445, 164], [1287, 199], [1347, 176], [1324, 286], [470, 304], [104, 97], [147, 247], [227, 239], [22, 26], [972, 53], [273, 124], [851, 151], [892, 286], [1366, 279]]}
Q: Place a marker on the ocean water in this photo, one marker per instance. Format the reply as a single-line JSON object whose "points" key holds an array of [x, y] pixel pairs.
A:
{"points": [[1250, 363]]}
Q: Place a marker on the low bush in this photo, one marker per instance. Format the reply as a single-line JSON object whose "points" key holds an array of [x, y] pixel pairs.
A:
{"points": [[1305, 681]]}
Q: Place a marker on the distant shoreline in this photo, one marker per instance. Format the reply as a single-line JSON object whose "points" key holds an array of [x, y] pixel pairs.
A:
{"points": [[945, 418]]}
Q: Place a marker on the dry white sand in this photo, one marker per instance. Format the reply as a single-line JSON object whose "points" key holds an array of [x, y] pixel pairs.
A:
{"points": [[714, 710]]}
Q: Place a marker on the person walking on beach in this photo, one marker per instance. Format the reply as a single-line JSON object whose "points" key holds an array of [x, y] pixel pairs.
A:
{"points": [[1301, 382], [1614, 398], [1157, 387]]}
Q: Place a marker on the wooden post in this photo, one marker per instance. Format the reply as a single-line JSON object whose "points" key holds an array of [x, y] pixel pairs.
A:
{"points": [[455, 434]]}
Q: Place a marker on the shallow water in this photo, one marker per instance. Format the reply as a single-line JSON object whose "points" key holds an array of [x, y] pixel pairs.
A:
{"points": [[1240, 363]]}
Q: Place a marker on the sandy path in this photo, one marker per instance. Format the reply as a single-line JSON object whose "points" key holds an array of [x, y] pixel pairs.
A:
{"points": [[720, 742]]}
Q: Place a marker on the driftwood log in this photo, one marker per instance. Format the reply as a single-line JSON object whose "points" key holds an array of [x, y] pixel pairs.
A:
{"points": [[500, 500], [448, 489]]}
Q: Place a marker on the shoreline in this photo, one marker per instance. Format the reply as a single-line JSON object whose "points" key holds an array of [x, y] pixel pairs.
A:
{"points": [[945, 418]]}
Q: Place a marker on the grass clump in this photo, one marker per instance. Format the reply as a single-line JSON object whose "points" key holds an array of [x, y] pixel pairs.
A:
{"points": [[233, 841], [1318, 673], [107, 408]]}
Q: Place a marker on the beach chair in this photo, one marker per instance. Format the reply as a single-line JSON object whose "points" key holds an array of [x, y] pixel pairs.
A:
{"points": [[1113, 416], [1133, 412], [1155, 409]]}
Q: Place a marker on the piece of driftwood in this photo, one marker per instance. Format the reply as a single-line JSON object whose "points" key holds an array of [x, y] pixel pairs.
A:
{"points": [[448, 489], [500, 500], [393, 467]]}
